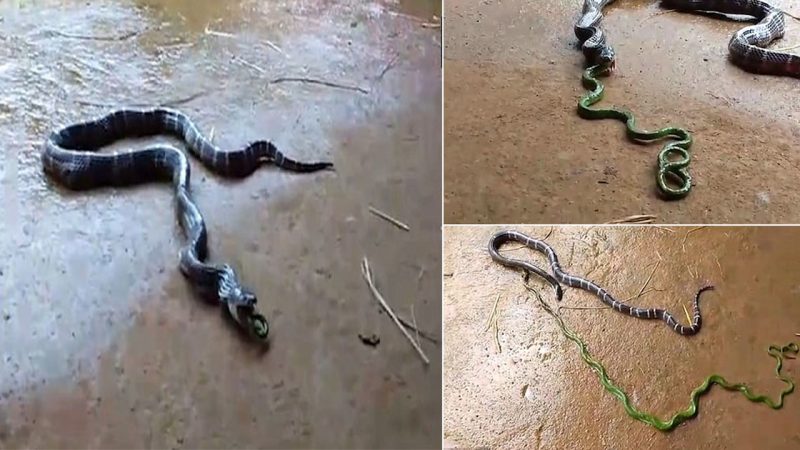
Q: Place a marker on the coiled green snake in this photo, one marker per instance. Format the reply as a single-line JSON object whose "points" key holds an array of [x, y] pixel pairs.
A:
{"points": [[674, 158], [779, 353]]}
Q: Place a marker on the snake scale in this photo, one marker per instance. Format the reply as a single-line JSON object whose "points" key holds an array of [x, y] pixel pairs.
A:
{"points": [[70, 158], [559, 276]]}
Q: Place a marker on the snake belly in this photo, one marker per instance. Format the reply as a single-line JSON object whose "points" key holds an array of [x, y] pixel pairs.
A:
{"points": [[559, 277], [746, 47], [70, 158]]}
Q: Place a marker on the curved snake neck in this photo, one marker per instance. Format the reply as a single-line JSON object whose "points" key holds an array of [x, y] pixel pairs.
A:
{"points": [[70, 157], [560, 276]]}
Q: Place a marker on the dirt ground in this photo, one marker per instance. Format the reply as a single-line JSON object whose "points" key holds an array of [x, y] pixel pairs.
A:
{"points": [[102, 342], [536, 391], [517, 152]]}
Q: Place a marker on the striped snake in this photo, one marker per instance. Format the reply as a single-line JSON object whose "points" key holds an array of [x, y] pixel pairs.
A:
{"points": [[70, 157], [559, 276]]}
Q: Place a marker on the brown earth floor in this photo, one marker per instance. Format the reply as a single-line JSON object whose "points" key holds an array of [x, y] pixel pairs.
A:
{"points": [[537, 392], [103, 345], [517, 152]]}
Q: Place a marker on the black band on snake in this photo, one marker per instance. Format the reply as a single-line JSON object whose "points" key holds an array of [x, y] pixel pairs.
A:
{"points": [[559, 276], [69, 157]]}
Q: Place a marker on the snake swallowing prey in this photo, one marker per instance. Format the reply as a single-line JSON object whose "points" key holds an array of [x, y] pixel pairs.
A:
{"points": [[559, 276], [70, 157]]}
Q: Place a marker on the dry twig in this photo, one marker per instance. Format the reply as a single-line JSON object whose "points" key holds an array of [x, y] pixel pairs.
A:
{"points": [[367, 273], [389, 218]]}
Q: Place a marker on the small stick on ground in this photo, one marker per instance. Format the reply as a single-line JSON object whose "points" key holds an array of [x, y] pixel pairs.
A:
{"points": [[121, 37], [389, 218], [388, 67], [688, 317], [176, 102], [643, 293], [414, 319], [664, 228], [683, 244], [218, 33], [421, 333], [639, 218], [791, 15], [252, 66], [320, 82], [644, 286], [583, 307], [367, 273], [491, 316], [797, 334], [274, 46]]}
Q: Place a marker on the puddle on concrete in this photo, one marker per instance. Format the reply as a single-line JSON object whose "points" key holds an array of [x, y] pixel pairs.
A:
{"points": [[524, 156], [93, 302], [563, 404]]}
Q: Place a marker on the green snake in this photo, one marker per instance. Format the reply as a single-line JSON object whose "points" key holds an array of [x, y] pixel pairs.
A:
{"points": [[674, 158], [779, 353]]}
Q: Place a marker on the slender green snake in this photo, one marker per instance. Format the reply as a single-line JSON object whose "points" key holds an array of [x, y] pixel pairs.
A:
{"points": [[691, 411], [674, 158]]}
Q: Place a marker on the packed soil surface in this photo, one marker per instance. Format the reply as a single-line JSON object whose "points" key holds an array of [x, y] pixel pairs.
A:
{"points": [[523, 384], [517, 152]]}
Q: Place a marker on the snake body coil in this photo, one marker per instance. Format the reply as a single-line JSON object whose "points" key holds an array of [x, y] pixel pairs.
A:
{"points": [[559, 276], [69, 157], [746, 45]]}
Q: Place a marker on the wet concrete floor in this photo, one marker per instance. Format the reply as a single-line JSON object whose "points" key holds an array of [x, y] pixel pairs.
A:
{"points": [[103, 343], [517, 152], [537, 392]]}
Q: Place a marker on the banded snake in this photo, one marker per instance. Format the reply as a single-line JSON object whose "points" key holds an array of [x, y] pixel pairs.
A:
{"points": [[69, 157]]}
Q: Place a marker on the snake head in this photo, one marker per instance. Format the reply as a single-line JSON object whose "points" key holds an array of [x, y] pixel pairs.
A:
{"points": [[230, 291], [606, 57]]}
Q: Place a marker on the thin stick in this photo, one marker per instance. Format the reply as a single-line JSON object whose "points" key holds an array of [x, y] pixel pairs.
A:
{"points": [[421, 333], [664, 228], [414, 318], [497, 335], [387, 67], [367, 273], [583, 307], [176, 102], [97, 38], [639, 218], [252, 66], [683, 244], [321, 82], [649, 278], [491, 316], [218, 33], [389, 218], [643, 293], [688, 318], [274, 47], [790, 15]]}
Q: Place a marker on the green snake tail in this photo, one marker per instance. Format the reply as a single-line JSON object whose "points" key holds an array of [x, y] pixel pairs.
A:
{"points": [[674, 158], [681, 416]]}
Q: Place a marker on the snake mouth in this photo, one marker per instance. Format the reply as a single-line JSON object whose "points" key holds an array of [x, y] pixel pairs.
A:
{"points": [[250, 321]]}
